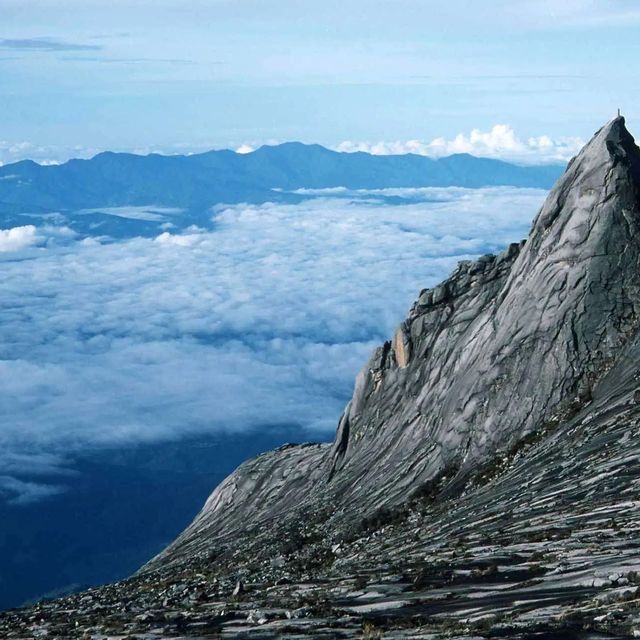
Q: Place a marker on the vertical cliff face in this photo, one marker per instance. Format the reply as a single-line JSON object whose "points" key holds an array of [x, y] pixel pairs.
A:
{"points": [[508, 346]]}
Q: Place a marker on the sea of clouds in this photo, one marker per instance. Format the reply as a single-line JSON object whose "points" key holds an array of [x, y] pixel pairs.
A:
{"points": [[263, 319]]}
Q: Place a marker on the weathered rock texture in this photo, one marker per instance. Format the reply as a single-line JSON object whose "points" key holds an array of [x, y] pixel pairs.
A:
{"points": [[484, 477], [506, 346]]}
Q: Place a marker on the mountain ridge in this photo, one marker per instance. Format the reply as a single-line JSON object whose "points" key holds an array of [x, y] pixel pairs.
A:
{"points": [[199, 181]]}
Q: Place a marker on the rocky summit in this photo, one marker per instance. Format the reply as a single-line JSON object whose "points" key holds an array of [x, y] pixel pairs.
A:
{"points": [[484, 481]]}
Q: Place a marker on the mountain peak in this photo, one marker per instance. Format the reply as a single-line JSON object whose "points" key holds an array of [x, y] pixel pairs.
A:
{"points": [[613, 138], [616, 127], [505, 346], [607, 167], [454, 385]]}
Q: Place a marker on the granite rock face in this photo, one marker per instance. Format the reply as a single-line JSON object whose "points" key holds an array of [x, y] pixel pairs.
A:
{"points": [[484, 478], [507, 346]]}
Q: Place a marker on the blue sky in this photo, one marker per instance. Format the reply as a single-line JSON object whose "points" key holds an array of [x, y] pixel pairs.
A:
{"points": [[81, 76]]}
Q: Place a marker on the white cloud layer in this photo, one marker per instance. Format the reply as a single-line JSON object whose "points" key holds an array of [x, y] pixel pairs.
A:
{"points": [[500, 142], [263, 321]]}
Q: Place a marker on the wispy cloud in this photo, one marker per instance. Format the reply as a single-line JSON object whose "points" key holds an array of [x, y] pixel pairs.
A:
{"points": [[150, 213], [263, 321], [20, 492], [131, 61], [501, 141], [45, 44]]}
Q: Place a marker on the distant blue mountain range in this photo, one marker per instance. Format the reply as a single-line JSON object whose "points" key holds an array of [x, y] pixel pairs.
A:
{"points": [[194, 183]]}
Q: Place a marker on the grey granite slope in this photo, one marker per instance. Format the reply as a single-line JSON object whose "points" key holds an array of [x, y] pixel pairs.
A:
{"points": [[504, 347], [485, 477]]}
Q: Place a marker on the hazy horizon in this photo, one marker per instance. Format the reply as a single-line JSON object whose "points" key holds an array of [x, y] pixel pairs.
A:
{"points": [[507, 80]]}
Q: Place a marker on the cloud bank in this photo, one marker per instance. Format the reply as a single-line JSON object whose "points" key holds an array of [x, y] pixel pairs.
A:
{"points": [[263, 321], [500, 142], [18, 238]]}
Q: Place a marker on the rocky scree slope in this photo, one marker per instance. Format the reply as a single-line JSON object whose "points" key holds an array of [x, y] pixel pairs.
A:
{"points": [[484, 478]]}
